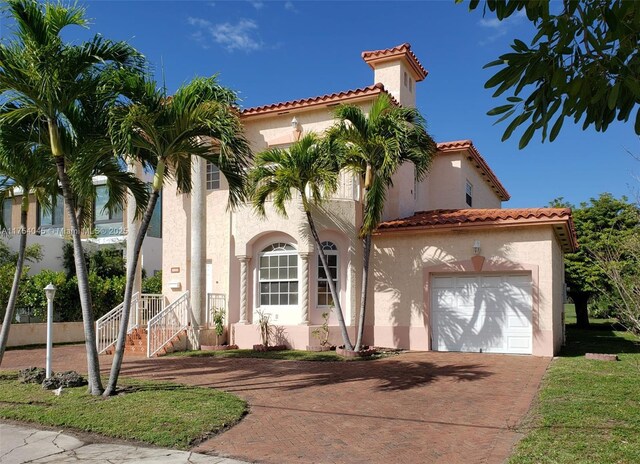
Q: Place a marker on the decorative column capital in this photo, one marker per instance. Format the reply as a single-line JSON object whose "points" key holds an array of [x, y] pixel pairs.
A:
{"points": [[244, 258], [305, 255]]}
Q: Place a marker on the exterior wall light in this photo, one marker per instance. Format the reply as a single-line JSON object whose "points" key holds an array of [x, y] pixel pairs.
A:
{"points": [[476, 247], [295, 125]]}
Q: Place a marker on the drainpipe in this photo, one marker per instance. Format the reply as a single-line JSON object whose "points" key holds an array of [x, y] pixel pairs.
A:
{"points": [[198, 247]]}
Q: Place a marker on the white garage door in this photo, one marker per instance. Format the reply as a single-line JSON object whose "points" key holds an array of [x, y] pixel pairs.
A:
{"points": [[482, 313]]}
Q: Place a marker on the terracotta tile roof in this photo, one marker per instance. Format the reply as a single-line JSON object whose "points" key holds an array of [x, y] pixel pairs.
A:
{"points": [[377, 56], [479, 162], [454, 218], [337, 97]]}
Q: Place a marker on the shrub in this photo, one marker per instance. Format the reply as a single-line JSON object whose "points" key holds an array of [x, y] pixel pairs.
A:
{"points": [[152, 284]]}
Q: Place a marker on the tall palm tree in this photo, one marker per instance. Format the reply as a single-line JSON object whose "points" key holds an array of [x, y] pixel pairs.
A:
{"points": [[168, 134], [308, 165], [376, 145], [46, 77], [24, 168]]}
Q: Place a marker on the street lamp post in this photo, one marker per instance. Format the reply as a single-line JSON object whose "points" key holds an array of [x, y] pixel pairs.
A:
{"points": [[50, 292]]}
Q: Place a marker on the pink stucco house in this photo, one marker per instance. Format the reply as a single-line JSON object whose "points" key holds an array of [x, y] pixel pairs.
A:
{"points": [[452, 269]]}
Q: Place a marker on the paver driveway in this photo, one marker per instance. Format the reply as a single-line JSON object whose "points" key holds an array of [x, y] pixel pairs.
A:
{"points": [[413, 408]]}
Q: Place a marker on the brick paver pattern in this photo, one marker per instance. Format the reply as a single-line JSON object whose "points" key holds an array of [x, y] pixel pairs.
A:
{"points": [[411, 408]]}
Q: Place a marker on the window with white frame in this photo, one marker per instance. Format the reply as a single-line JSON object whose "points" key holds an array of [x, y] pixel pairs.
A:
{"points": [[324, 297], [278, 275], [469, 194], [51, 220], [213, 176], [6, 213], [107, 223]]}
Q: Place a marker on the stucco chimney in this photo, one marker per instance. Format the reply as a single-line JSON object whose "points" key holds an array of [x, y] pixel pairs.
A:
{"points": [[398, 69]]}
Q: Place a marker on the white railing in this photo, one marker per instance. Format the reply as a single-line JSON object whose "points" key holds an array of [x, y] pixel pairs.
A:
{"points": [[149, 304], [168, 323], [143, 308], [215, 301], [348, 187], [107, 326]]}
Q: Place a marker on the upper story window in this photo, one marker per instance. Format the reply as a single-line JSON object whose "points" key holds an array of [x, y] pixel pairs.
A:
{"points": [[406, 79], [213, 176], [51, 220], [469, 194], [324, 297], [107, 223], [278, 275], [6, 213]]}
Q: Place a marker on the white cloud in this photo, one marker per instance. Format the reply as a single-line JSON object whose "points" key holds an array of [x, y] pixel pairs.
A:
{"points": [[257, 4], [498, 27], [238, 36], [288, 5]]}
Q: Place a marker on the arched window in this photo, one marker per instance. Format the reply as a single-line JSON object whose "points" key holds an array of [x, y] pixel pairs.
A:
{"points": [[324, 297], [278, 275]]}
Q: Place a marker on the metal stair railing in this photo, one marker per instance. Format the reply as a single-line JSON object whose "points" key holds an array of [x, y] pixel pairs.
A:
{"points": [[107, 326], [168, 323]]}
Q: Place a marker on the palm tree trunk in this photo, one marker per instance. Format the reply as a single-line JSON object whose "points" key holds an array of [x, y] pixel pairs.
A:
{"points": [[332, 287], [116, 365], [13, 296], [93, 362], [363, 296]]}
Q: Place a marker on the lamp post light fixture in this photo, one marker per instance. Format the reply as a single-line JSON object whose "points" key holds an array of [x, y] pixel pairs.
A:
{"points": [[295, 125], [476, 247], [50, 292]]}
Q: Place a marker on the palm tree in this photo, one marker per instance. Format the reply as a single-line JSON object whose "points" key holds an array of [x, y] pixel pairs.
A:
{"points": [[46, 78], [167, 134], [376, 145], [308, 165], [22, 167]]}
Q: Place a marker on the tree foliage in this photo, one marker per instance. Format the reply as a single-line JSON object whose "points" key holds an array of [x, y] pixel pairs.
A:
{"points": [[583, 64], [602, 224]]}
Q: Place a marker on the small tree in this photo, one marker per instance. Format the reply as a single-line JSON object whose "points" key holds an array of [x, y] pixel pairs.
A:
{"points": [[603, 224], [375, 146], [168, 134], [308, 165]]}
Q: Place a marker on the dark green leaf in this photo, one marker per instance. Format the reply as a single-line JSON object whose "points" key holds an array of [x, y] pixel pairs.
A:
{"points": [[499, 110]]}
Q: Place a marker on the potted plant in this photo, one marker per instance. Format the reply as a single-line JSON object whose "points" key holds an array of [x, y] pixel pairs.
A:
{"points": [[217, 316], [322, 334], [266, 332]]}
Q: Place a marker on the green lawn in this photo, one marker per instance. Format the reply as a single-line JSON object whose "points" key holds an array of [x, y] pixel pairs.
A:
{"points": [[587, 411], [289, 355], [159, 413]]}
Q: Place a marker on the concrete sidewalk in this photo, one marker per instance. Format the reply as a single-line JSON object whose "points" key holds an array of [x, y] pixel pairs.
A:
{"points": [[20, 445]]}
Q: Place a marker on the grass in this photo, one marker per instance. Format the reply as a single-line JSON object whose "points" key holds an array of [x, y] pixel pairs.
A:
{"points": [[587, 411], [288, 355], [163, 414]]}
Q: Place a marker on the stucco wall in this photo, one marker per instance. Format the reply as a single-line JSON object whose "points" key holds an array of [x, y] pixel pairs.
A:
{"points": [[400, 315], [36, 334], [175, 245], [445, 186], [558, 297], [483, 195], [443, 189], [391, 75]]}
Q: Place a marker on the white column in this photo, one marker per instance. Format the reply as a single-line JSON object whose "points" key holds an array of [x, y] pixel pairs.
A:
{"points": [[244, 287], [133, 227], [303, 284], [198, 243]]}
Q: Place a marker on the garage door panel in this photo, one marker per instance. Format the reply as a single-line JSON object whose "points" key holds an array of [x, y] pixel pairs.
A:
{"points": [[482, 313]]}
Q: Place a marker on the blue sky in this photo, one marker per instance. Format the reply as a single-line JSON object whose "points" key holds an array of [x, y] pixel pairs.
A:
{"points": [[272, 51]]}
